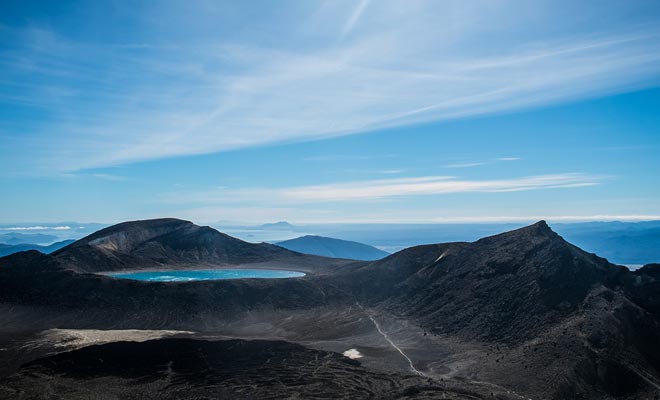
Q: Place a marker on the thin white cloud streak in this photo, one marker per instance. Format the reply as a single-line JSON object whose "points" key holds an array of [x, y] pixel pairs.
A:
{"points": [[548, 217], [432, 185], [105, 177], [355, 17], [464, 165], [479, 163], [404, 65], [36, 228], [383, 188], [341, 157], [108, 177], [375, 171]]}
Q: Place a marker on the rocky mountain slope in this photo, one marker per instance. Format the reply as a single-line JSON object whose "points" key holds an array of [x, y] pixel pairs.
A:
{"points": [[543, 301], [497, 286]]}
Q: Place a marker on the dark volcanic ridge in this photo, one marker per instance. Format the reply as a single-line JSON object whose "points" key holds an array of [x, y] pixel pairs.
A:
{"points": [[499, 287], [524, 310]]}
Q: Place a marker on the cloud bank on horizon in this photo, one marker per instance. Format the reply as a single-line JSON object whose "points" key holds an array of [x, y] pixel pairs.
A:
{"points": [[117, 84]]}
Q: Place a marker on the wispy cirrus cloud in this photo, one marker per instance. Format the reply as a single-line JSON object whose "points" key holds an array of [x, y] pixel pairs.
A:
{"points": [[479, 163], [383, 188], [374, 171], [347, 157], [548, 217], [101, 176], [354, 17], [432, 185], [464, 165], [112, 103]]}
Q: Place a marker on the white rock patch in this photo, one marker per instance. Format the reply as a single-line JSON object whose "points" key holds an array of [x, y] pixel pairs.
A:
{"points": [[352, 354]]}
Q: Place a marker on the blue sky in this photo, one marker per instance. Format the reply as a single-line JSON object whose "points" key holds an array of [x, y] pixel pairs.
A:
{"points": [[330, 111]]}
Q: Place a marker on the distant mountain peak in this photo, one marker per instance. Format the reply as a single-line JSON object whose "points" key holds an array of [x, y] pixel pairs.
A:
{"points": [[541, 226], [541, 223], [528, 234], [336, 248], [278, 225]]}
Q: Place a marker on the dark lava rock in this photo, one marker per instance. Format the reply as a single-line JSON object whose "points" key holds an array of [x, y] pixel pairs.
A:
{"points": [[232, 369]]}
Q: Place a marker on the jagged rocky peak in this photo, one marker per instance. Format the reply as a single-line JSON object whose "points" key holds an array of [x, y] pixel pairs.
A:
{"points": [[535, 233]]}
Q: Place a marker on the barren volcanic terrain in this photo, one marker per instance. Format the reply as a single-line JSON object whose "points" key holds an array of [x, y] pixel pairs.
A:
{"points": [[523, 314]]}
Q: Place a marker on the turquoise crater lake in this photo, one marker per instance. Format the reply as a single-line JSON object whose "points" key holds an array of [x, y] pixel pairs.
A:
{"points": [[207, 275]]}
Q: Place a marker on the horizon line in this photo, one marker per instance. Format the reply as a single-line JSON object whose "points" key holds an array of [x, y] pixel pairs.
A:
{"points": [[32, 226]]}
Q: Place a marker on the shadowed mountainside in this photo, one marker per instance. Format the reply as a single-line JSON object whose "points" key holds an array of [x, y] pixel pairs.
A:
{"points": [[503, 282], [591, 324]]}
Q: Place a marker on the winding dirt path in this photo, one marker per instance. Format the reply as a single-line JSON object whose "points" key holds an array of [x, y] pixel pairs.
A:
{"points": [[412, 366]]}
